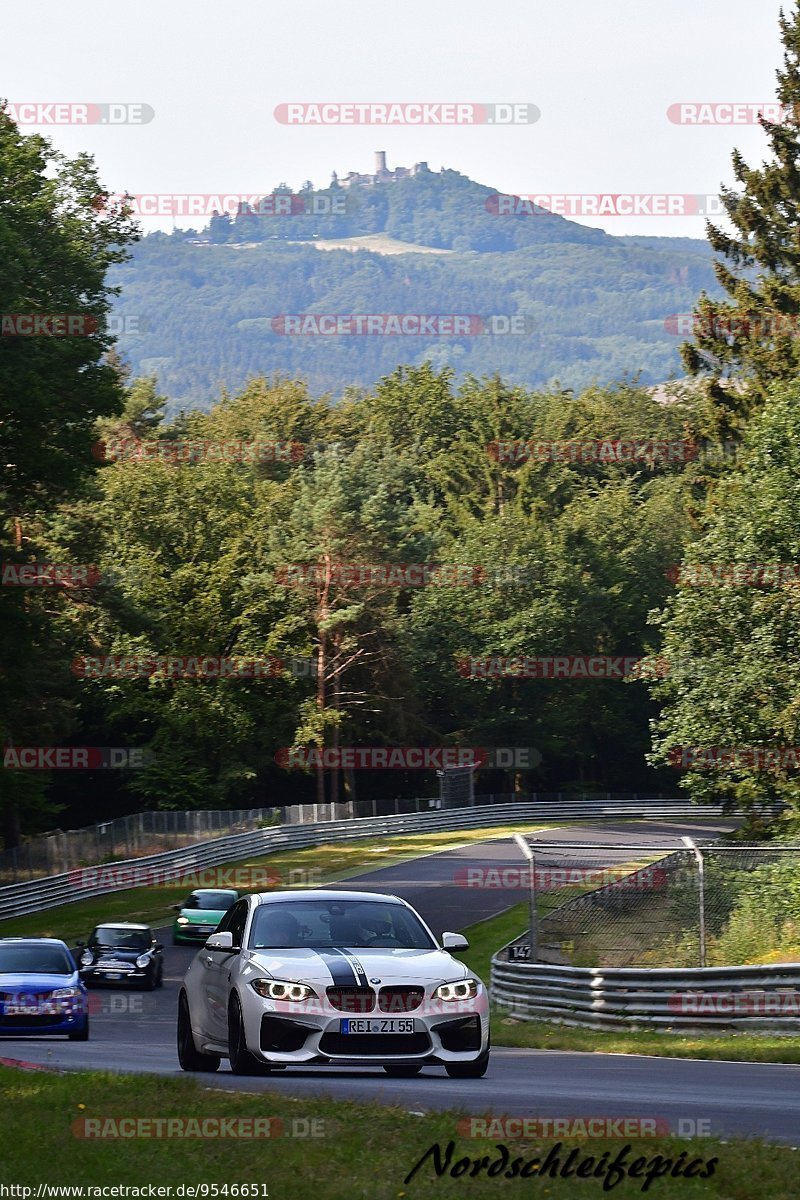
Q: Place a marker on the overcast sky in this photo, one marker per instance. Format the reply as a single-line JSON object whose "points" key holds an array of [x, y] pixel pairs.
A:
{"points": [[602, 74]]}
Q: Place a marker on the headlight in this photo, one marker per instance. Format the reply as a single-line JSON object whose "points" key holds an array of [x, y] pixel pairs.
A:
{"points": [[143, 960], [70, 993], [280, 989], [87, 958], [465, 989], [183, 920]]}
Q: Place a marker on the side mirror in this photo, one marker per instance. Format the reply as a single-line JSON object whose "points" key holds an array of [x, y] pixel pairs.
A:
{"points": [[159, 945], [220, 941], [176, 907], [80, 945], [454, 941]]}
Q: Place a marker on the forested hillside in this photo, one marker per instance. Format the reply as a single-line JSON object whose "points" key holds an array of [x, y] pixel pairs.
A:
{"points": [[200, 316]]}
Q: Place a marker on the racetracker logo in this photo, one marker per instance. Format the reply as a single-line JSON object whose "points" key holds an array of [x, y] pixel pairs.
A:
{"points": [[244, 878], [756, 326], [209, 204], [401, 325], [517, 1129], [604, 204], [171, 667], [549, 879], [785, 1003], [408, 113], [735, 758], [209, 1128], [571, 667], [48, 325], [379, 575], [69, 575], [75, 758], [197, 450], [408, 758], [35, 112], [631, 450], [71, 325], [726, 112], [121, 1004], [733, 575]]}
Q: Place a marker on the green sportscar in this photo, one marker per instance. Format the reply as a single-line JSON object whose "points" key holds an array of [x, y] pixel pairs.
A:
{"points": [[200, 914]]}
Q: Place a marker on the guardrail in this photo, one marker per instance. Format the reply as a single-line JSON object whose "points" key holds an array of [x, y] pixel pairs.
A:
{"points": [[691, 999], [35, 895]]}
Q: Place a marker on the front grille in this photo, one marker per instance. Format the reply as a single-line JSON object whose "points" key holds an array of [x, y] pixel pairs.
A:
{"points": [[400, 999], [30, 1022], [378, 1045], [461, 1034], [282, 1036], [352, 999]]}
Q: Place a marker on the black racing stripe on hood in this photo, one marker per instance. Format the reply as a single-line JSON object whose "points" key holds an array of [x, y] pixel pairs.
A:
{"points": [[340, 967], [361, 974]]}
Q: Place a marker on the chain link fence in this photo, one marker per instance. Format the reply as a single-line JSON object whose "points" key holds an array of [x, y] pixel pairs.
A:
{"points": [[649, 906], [125, 837]]}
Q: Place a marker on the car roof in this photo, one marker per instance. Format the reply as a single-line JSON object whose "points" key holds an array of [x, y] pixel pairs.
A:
{"points": [[120, 925], [225, 891], [34, 941], [324, 894]]}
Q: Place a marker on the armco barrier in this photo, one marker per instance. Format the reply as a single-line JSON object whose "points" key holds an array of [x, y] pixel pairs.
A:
{"points": [[661, 999], [35, 895]]}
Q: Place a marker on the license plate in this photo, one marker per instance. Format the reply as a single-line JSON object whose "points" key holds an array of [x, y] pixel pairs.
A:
{"points": [[113, 975], [376, 1025], [24, 1010]]}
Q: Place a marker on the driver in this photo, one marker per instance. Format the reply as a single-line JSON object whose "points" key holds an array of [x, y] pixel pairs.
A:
{"points": [[280, 929]]}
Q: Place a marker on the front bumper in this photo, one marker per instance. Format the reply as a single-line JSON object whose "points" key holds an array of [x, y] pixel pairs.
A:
{"points": [[192, 934], [115, 977], [457, 1033], [30, 1025]]}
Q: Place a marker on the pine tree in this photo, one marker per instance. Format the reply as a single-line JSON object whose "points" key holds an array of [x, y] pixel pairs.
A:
{"points": [[744, 344]]}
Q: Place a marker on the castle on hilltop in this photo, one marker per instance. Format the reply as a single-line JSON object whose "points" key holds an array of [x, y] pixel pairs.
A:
{"points": [[382, 173]]}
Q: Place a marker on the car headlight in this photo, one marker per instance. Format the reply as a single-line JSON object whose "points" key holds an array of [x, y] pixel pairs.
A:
{"points": [[183, 921], [281, 989], [87, 958], [143, 960], [464, 989], [68, 993]]}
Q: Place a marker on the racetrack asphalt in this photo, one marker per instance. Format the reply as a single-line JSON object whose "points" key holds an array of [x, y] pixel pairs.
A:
{"points": [[135, 1032]]}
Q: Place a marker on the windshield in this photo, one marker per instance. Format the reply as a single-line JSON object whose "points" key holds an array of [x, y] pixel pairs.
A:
{"points": [[35, 960], [125, 939], [355, 924], [215, 901]]}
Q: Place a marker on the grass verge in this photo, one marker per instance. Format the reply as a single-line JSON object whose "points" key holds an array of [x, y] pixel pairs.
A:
{"points": [[360, 1152]]}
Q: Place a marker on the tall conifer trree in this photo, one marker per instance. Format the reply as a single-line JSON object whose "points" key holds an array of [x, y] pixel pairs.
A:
{"points": [[743, 345]]}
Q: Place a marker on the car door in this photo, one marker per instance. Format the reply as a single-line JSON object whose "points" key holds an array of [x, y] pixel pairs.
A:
{"points": [[216, 967]]}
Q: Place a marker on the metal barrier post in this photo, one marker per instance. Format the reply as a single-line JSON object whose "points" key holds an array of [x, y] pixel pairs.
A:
{"points": [[534, 919], [701, 889]]}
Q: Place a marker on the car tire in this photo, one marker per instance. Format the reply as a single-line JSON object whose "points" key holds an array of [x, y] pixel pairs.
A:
{"points": [[241, 1060], [160, 980], [469, 1070], [151, 982], [80, 1035], [190, 1058], [403, 1072]]}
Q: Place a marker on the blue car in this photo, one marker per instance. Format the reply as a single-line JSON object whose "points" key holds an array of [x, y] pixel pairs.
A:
{"points": [[40, 990]]}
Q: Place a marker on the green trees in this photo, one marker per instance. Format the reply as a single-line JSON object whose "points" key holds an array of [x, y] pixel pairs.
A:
{"points": [[739, 636], [56, 245]]}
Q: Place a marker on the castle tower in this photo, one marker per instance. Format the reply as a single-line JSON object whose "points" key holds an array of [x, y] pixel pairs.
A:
{"points": [[380, 162]]}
